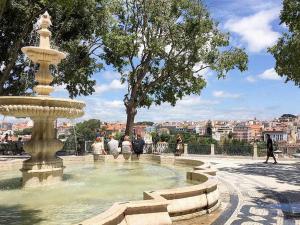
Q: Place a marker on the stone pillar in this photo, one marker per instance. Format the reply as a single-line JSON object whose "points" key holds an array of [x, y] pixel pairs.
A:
{"points": [[255, 155], [43, 168], [212, 149], [185, 149]]}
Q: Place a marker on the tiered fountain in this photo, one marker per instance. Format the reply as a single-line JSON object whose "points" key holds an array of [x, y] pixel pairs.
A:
{"points": [[43, 168]]}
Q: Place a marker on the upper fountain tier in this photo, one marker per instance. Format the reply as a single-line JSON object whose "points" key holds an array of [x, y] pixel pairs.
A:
{"points": [[44, 53], [42, 105]]}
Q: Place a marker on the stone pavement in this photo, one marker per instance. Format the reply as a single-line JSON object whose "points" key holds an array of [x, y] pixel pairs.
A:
{"points": [[260, 194]]}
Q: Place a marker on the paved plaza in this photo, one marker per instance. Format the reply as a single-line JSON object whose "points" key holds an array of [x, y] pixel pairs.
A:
{"points": [[255, 193]]}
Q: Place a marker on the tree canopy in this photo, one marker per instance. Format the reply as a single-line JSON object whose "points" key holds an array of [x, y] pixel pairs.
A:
{"points": [[86, 130], [76, 24], [161, 49], [287, 49]]}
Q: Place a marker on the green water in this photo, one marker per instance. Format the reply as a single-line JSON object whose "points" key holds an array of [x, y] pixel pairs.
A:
{"points": [[88, 190]]}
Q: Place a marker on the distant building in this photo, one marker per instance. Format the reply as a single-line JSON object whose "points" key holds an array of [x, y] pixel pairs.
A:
{"points": [[200, 129], [242, 132], [115, 128], [163, 130], [22, 126], [64, 129], [151, 129], [256, 131], [277, 134], [287, 118], [4, 126], [139, 129], [221, 132]]}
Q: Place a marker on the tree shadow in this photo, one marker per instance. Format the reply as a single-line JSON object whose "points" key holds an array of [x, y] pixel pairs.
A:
{"points": [[11, 183], [18, 215], [289, 201], [67, 176], [282, 173]]}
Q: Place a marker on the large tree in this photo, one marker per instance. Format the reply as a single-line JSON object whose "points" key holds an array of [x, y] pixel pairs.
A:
{"points": [[76, 25], [287, 49], [160, 48]]}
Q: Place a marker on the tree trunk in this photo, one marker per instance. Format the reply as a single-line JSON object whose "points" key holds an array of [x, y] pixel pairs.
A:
{"points": [[2, 7], [131, 113]]}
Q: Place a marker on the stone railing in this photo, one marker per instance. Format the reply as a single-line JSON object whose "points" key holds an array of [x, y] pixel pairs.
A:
{"points": [[164, 206]]}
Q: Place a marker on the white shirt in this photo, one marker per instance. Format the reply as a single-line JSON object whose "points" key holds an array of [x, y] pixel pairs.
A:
{"points": [[126, 147], [98, 147], [113, 145]]}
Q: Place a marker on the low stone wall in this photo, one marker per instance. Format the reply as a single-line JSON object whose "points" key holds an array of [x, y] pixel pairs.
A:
{"points": [[164, 206]]}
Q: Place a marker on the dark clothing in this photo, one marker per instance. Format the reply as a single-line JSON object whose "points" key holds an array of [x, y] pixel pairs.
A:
{"points": [[138, 146], [270, 148], [121, 141], [270, 153], [270, 144]]}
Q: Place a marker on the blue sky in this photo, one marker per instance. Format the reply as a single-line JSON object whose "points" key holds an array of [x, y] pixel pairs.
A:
{"points": [[258, 92]]}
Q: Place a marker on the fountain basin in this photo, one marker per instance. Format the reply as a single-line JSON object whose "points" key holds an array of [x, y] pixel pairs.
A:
{"points": [[88, 189], [38, 54], [20, 106]]}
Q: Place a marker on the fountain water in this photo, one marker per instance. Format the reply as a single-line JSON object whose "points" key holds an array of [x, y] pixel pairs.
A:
{"points": [[43, 168]]}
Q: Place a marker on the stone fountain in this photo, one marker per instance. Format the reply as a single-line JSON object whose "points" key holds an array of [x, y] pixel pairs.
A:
{"points": [[44, 167]]}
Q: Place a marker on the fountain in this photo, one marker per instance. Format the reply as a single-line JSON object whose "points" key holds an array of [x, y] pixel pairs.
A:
{"points": [[43, 168]]}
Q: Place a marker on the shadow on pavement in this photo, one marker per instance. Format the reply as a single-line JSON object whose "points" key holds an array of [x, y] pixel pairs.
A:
{"points": [[284, 174]]}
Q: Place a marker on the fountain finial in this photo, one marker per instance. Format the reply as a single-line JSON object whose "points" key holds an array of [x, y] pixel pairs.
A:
{"points": [[45, 20]]}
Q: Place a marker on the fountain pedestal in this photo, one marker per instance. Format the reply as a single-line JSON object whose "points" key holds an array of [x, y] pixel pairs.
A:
{"points": [[43, 168]]}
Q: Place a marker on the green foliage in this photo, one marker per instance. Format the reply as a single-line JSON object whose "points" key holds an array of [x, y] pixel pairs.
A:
{"points": [[207, 141], [234, 147], [75, 24], [87, 130], [164, 137], [26, 131], [161, 48], [148, 123], [118, 135], [62, 136], [287, 49]]}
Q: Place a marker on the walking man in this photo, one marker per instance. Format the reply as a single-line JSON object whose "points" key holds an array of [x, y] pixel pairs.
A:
{"points": [[270, 149]]}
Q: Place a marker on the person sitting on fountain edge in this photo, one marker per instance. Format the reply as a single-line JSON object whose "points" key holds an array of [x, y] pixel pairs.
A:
{"points": [[138, 145], [98, 147], [113, 146]]}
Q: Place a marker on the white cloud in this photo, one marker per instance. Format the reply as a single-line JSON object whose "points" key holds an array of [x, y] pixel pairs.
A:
{"points": [[114, 85], [223, 94], [60, 88], [251, 79], [256, 30], [110, 75], [269, 74]]}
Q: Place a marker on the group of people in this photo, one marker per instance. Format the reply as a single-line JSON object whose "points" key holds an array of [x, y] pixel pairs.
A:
{"points": [[115, 147]]}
